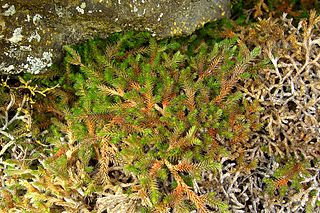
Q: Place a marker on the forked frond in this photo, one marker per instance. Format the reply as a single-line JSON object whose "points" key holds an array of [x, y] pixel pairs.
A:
{"points": [[73, 57], [197, 200], [148, 96], [154, 190], [185, 167], [212, 68], [155, 168], [111, 91], [190, 93], [177, 197], [228, 84]]}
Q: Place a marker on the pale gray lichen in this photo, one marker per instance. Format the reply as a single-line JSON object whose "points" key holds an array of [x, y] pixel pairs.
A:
{"points": [[11, 11], [36, 19], [6, 5], [135, 9], [26, 48], [80, 10], [28, 18], [35, 36], [16, 36], [160, 16], [6, 69], [83, 5], [59, 11], [35, 65]]}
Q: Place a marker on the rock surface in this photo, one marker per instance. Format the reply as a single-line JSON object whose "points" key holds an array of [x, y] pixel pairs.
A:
{"points": [[33, 32]]}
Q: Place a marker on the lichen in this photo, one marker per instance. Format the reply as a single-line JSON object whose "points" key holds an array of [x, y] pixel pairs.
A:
{"points": [[35, 36], [35, 65], [36, 19], [16, 36], [10, 11], [5, 69]]}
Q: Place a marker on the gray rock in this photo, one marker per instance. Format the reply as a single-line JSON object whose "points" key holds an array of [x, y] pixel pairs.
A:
{"points": [[33, 32]]}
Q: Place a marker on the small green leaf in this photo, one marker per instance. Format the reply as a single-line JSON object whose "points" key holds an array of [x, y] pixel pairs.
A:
{"points": [[255, 52], [73, 57]]}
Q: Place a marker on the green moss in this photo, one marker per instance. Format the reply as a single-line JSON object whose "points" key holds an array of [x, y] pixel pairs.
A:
{"points": [[145, 118], [160, 100]]}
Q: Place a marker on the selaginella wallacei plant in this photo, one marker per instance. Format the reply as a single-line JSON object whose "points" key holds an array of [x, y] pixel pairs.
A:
{"points": [[160, 127], [153, 118]]}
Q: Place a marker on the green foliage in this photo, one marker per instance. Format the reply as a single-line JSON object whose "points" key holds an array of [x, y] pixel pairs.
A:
{"points": [[159, 106], [137, 123], [287, 179]]}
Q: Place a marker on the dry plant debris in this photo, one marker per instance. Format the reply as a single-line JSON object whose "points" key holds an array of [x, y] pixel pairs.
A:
{"points": [[290, 89], [286, 153]]}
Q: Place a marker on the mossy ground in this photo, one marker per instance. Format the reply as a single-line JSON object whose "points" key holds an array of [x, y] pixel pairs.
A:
{"points": [[56, 155]]}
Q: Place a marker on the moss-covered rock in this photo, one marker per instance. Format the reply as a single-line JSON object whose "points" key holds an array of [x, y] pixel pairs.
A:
{"points": [[33, 32]]}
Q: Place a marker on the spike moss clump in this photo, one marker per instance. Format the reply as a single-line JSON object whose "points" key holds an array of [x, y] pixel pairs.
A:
{"points": [[154, 115]]}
